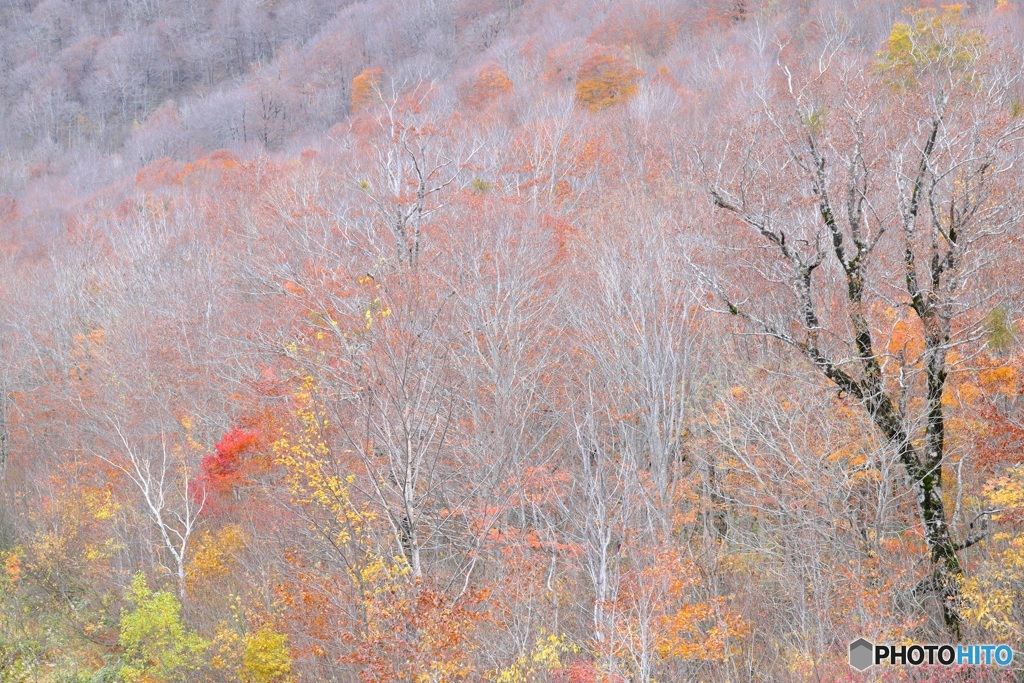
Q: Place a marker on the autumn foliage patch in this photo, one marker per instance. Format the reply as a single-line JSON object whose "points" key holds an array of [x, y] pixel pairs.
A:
{"points": [[606, 79]]}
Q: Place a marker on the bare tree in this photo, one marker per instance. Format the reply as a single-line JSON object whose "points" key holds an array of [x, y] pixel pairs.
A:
{"points": [[414, 164], [164, 481], [867, 186]]}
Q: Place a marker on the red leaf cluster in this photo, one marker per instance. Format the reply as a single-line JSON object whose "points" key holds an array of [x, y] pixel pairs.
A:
{"points": [[223, 471]]}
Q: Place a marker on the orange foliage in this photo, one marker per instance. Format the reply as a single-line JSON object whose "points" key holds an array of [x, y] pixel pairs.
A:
{"points": [[306, 605], [490, 84], [988, 403], [606, 79], [159, 173], [365, 88], [418, 633], [663, 76]]}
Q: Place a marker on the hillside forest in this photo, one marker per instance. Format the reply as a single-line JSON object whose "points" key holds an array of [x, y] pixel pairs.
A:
{"points": [[511, 341]]}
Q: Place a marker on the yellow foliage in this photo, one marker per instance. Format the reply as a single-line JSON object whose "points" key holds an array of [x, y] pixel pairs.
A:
{"points": [[377, 307], [313, 480], [931, 38], [227, 647], [102, 551], [993, 597], [801, 664], [11, 561], [214, 553], [266, 658], [76, 534], [305, 457], [990, 596], [98, 503], [1006, 493], [156, 642], [546, 657], [378, 574], [194, 445]]}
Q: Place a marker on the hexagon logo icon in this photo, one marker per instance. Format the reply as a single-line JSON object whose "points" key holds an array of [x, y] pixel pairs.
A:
{"points": [[861, 654]]}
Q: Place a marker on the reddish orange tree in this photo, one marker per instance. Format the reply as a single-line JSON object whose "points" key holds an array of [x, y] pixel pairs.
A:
{"points": [[605, 80]]}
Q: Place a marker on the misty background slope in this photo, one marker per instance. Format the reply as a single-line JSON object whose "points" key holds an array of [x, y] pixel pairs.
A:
{"points": [[91, 91]]}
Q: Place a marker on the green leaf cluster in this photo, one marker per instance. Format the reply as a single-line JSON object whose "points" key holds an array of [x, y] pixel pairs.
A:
{"points": [[1000, 329], [931, 39], [157, 645]]}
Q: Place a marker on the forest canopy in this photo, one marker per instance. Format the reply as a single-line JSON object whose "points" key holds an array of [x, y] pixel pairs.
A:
{"points": [[517, 341]]}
